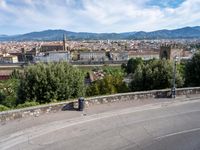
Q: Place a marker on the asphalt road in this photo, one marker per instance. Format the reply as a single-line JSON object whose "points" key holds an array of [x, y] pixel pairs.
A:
{"points": [[156, 126]]}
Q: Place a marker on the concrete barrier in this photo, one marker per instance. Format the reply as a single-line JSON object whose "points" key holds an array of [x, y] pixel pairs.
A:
{"points": [[68, 105]]}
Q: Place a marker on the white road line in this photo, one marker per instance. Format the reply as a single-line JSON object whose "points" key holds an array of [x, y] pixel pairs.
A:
{"points": [[177, 133]]}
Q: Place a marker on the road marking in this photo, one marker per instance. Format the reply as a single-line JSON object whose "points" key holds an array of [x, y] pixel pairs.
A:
{"points": [[9, 141], [177, 133]]}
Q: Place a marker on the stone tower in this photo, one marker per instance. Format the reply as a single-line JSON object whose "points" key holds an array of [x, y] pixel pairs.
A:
{"points": [[171, 51], [165, 52]]}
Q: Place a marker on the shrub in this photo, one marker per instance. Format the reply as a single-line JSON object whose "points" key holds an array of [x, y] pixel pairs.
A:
{"points": [[16, 74], [3, 108], [108, 85], [8, 92], [27, 104]]}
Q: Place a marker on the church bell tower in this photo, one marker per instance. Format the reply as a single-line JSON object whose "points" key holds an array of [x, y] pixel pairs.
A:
{"points": [[64, 42]]}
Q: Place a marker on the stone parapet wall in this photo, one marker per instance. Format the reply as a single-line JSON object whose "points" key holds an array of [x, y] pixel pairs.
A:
{"points": [[69, 105]]}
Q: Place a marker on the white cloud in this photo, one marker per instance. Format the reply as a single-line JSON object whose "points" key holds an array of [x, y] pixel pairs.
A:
{"points": [[97, 15], [2, 4], [186, 14]]}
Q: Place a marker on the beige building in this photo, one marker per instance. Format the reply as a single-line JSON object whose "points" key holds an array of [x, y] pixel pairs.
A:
{"points": [[145, 55], [54, 56], [119, 56], [93, 56], [8, 59]]}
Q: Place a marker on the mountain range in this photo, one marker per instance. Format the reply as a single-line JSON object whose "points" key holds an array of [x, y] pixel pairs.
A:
{"points": [[51, 35]]}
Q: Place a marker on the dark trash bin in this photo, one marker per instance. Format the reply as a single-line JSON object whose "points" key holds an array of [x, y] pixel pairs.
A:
{"points": [[81, 104]]}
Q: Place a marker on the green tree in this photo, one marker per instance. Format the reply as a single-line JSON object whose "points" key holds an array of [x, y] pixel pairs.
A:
{"points": [[133, 64], [155, 74], [8, 92], [16, 74], [192, 71], [113, 71], [3, 108], [93, 89], [124, 67], [108, 85], [50, 82]]}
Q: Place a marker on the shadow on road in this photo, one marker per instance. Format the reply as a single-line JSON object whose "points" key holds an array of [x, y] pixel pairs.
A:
{"points": [[69, 107], [163, 95]]}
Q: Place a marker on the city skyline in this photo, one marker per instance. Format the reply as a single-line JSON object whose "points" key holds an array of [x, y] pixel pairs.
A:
{"points": [[23, 16]]}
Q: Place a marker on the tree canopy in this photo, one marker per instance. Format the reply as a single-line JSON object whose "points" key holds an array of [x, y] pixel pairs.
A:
{"points": [[8, 92], [50, 82], [133, 64], [108, 85], [154, 74], [192, 71]]}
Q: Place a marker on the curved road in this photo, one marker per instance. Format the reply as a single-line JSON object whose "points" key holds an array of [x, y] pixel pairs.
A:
{"points": [[157, 126]]}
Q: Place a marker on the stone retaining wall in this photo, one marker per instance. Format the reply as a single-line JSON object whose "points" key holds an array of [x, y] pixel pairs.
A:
{"points": [[69, 105]]}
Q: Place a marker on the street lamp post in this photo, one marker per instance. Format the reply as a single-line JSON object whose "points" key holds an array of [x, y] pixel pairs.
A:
{"points": [[173, 92]]}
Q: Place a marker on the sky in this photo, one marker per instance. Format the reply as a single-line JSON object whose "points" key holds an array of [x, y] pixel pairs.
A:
{"points": [[23, 16]]}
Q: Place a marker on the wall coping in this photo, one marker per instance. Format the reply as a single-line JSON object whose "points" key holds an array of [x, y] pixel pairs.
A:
{"points": [[90, 99], [37, 107], [141, 92]]}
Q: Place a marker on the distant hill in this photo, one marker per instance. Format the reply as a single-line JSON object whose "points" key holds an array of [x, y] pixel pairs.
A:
{"points": [[49, 35], [3, 35]]}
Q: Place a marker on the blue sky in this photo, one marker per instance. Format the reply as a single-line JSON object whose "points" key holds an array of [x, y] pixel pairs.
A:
{"points": [[22, 16]]}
